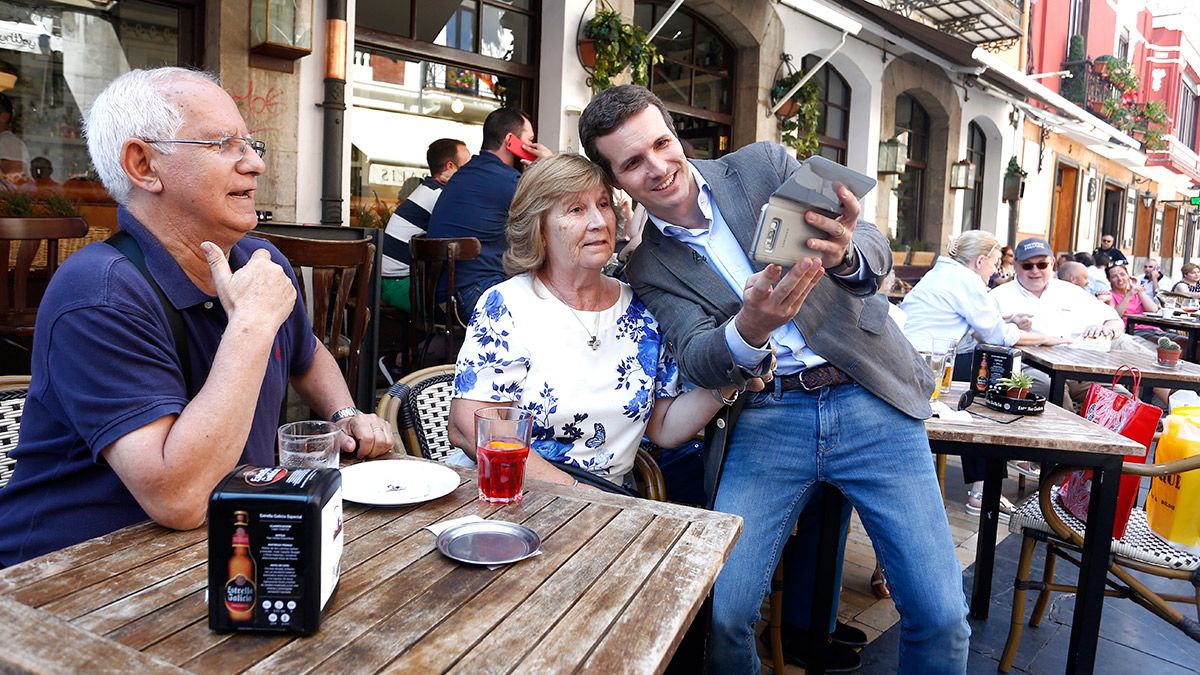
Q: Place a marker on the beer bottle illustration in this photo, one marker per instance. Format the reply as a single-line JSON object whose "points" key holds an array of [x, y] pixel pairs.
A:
{"points": [[981, 378], [239, 590]]}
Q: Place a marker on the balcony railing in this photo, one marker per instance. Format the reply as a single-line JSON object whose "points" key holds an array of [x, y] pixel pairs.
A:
{"points": [[1087, 88]]}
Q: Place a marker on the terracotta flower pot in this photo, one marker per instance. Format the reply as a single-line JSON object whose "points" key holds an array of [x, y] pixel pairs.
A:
{"points": [[587, 53], [1018, 393], [788, 109], [1169, 357]]}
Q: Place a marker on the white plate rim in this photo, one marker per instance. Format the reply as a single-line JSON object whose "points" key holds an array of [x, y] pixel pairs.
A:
{"points": [[353, 489]]}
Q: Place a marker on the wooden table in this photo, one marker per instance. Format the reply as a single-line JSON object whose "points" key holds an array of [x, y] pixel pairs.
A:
{"points": [[618, 582], [1064, 363], [1189, 327], [1057, 436]]}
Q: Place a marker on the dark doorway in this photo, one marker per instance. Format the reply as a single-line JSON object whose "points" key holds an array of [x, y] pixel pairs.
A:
{"points": [[1111, 211]]}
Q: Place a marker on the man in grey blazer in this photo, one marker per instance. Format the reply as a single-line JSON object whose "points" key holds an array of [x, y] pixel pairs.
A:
{"points": [[847, 396]]}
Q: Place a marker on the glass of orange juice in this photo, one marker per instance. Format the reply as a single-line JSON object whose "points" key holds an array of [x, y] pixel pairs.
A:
{"points": [[502, 436]]}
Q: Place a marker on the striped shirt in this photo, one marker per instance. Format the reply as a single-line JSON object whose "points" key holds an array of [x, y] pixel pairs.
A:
{"points": [[410, 218]]}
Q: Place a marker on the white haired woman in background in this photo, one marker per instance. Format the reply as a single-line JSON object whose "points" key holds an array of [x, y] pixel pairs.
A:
{"points": [[951, 301]]}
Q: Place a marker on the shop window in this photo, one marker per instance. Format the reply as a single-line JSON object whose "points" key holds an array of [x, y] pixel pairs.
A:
{"points": [[833, 126], [973, 196], [428, 100], [695, 79], [911, 118], [499, 29], [61, 56]]}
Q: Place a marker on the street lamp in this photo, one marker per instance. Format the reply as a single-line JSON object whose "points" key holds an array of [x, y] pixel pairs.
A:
{"points": [[962, 175], [893, 156], [1147, 199]]}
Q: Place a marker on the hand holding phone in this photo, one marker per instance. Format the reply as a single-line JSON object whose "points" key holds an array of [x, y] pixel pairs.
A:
{"points": [[517, 147]]}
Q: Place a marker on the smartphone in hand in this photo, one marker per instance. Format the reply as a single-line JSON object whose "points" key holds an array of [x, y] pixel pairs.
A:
{"points": [[783, 233], [517, 147]]}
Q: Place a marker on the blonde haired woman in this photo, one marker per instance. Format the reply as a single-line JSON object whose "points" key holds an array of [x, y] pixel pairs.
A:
{"points": [[952, 301], [575, 348]]}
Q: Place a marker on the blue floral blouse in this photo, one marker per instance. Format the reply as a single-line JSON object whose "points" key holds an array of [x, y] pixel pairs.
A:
{"points": [[590, 407]]}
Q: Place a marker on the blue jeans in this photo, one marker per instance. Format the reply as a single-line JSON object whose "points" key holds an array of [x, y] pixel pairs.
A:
{"points": [[785, 442]]}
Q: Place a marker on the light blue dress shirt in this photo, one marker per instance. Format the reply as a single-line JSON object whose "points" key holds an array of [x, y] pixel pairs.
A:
{"points": [[721, 250]]}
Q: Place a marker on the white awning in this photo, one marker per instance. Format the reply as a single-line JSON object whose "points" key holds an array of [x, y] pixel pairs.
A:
{"points": [[401, 139]]}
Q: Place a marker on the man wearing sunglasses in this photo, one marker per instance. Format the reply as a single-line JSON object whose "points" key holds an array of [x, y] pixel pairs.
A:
{"points": [[1055, 307], [161, 359], [1108, 247]]}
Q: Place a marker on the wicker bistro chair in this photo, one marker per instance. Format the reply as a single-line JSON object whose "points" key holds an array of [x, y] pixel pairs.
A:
{"points": [[418, 407], [13, 390], [1045, 519]]}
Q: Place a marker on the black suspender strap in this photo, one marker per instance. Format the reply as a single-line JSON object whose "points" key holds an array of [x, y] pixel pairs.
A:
{"points": [[126, 244]]}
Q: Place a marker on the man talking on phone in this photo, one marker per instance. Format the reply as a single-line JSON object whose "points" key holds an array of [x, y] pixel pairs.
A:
{"points": [[843, 405], [475, 202]]}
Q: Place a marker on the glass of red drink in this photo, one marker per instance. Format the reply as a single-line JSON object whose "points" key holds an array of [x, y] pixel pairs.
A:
{"points": [[501, 447]]}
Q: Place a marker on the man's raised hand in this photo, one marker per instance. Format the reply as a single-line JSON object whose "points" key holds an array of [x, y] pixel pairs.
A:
{"points": [[769, 301], [259, 292]]}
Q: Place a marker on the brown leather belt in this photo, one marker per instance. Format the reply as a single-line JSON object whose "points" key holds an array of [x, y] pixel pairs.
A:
{"points": [[812, 379]]}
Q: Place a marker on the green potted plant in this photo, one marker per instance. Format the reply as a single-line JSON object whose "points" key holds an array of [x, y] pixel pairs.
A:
{"points": [[798, 115], [44, 204], [1017, 384], [1013, 187], [611, 45], [1169, 352]]}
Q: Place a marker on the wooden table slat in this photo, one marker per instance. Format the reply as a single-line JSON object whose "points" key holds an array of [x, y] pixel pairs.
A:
{"points": [[598, 608], [1084, 361], [646, 626], [39, 642], [384, 617], [535, 614]]}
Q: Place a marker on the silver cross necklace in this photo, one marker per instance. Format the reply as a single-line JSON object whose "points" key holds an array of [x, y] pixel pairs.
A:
{"points": [[594, 334]]}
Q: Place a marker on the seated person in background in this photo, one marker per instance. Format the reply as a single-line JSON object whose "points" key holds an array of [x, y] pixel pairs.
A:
{"points": [[952, 301], [1074, 273], [1096, 270], [1004, 271], [1153, 279], [115, 427], [1063, 258], [1131, 298], [475, 203], [575, 348], [1058, 308], [444, 156], [1189, 285], [1108, 248]]}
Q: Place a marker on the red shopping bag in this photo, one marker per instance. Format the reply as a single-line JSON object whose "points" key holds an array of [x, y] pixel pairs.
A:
{"points": [[1127, 416]]}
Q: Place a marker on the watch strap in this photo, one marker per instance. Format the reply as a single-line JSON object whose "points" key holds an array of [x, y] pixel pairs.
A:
{"points": [[343, 413]]}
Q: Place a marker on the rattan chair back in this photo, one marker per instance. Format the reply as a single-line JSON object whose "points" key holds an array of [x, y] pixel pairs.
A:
{"points": [[13, 390], [418, 408]]}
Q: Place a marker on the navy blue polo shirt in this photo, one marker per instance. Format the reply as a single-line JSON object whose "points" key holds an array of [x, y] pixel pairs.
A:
{"points": [[104, 364], [475, 204]]}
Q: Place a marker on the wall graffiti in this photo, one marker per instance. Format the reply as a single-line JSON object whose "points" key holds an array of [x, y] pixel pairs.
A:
{"points": [[260, 108]]}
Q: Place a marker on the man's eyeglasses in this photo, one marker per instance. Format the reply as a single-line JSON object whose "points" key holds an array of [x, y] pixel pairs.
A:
{"points": [[964, 404], [1030, 265], [230, 147]]}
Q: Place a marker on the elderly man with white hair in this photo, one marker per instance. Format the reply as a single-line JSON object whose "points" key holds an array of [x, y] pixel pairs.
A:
{"points": [[122, 423]]}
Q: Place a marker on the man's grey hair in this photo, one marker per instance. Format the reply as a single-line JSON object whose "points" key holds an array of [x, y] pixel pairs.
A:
{"points": [[608, 111], [133, 106]]}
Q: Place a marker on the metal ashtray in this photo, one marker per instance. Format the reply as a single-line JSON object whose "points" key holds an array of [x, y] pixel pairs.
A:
{"points": [[489, 542]]}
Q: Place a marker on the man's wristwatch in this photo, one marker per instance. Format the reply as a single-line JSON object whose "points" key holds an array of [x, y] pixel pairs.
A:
{"points": [[847, 263], [339, 415]]}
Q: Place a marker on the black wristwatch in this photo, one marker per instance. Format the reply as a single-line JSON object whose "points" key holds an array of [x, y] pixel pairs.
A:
{"points": [[847, 263]]}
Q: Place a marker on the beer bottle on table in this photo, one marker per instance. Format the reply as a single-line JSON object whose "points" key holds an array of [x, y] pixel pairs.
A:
{"points": [[239, 590]]}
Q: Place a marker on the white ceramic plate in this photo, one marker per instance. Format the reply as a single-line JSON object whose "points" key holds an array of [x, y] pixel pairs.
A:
{"points": [[394, 482]]}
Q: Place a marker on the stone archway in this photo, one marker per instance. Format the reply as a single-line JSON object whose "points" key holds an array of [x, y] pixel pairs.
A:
{"points": [[930, 87]]}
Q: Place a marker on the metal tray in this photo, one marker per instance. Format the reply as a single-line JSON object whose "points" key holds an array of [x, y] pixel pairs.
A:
{"points": [[489, 542]]}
